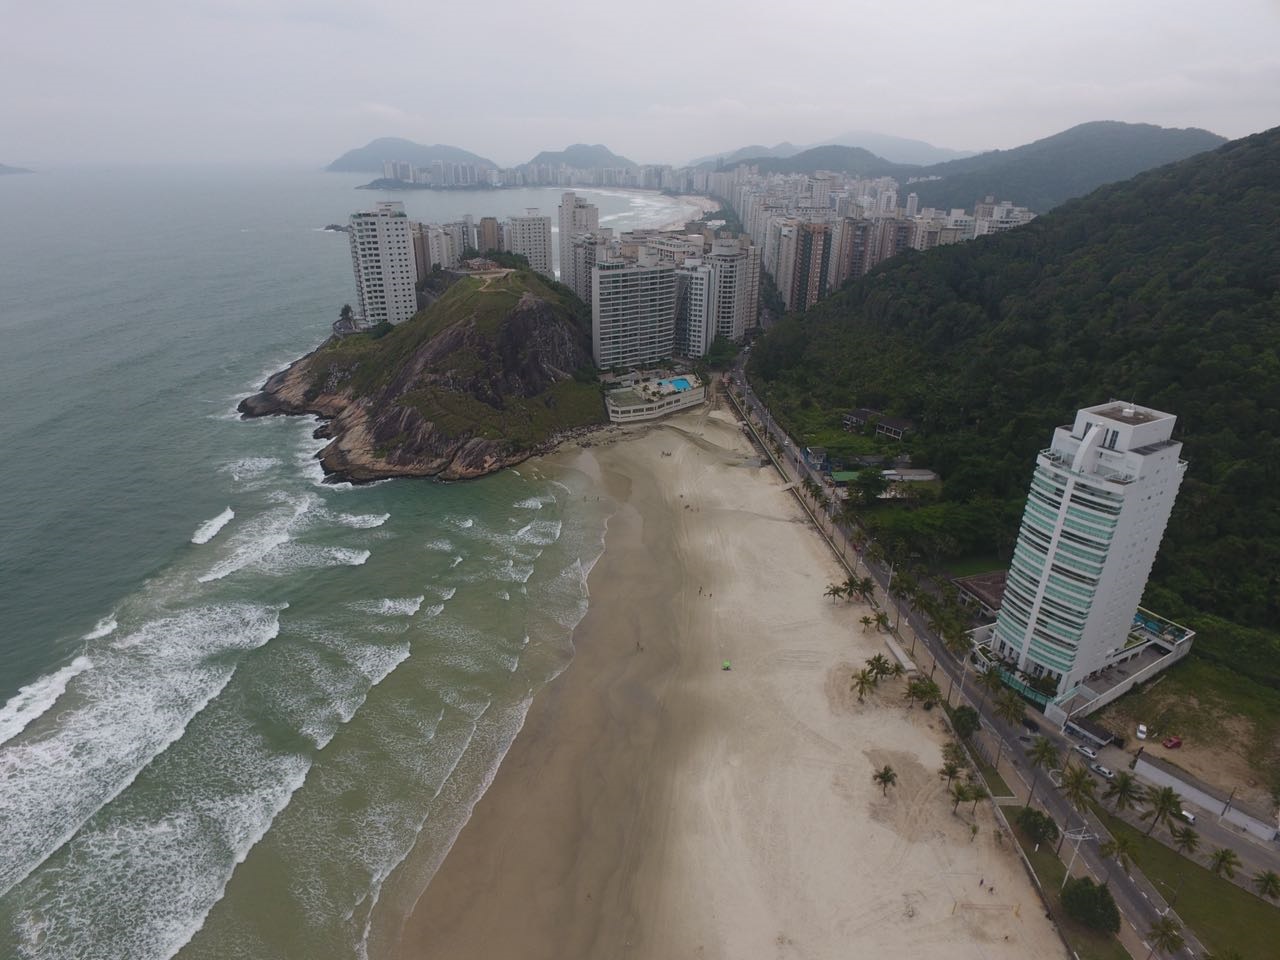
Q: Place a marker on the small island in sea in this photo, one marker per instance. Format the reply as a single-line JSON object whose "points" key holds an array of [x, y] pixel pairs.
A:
{"points": [[493, 371]]}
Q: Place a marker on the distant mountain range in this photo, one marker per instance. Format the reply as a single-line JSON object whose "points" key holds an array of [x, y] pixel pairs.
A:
{"points": [[1039, 175], [893, 149], [370, 158], [7, 169], [582, 156]]}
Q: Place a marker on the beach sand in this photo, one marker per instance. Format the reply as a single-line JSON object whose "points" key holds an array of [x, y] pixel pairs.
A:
{"points": [[656, 806]]}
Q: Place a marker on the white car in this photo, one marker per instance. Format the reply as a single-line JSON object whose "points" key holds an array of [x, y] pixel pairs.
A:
{"points": [[1142, 731], [1102, 771], [1086, 751]]}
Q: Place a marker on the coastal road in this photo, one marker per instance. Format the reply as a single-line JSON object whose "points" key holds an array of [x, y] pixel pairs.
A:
{"points": [[1138, 900]]}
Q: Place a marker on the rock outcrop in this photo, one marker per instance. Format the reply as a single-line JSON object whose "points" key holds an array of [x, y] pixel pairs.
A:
{"points": [[491, 373]]}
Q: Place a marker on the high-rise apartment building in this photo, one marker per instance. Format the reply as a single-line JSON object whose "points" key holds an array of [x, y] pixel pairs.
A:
{"points": [[731, 290], [489, 235], [576, 216], [382, 257], [694, 323], [530, 236], [808, 279], [633, 311], [1100, 498]]}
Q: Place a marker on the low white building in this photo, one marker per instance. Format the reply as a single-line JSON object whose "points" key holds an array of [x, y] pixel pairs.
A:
{"points": [[653, 399]]}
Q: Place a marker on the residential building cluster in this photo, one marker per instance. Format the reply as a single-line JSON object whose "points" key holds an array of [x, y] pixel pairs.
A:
{"points": [[654, 295], [816, 232], [652, 176], [441, 174]]}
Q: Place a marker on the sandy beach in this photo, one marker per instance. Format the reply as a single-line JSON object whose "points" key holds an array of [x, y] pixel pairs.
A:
{"points": [[705, 205], [657, 806]]}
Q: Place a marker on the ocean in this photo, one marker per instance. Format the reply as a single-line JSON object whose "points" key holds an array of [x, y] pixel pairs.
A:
{"points": [[245, 712]]}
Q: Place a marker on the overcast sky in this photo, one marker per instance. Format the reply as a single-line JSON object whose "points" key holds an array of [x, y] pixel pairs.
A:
{"points": [[301, 81]]}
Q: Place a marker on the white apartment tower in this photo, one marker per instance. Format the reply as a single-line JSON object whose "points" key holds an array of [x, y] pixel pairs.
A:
{"points": [[530, 236], [633, 311], [383, 260], [576, 216], [1100, 498], [695, 329]]}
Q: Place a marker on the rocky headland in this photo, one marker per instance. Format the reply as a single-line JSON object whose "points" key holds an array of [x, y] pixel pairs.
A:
{"points": [[494, 371]]}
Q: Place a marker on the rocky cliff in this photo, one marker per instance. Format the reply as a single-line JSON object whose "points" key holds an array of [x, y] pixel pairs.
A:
{"points": [[480, 380]]}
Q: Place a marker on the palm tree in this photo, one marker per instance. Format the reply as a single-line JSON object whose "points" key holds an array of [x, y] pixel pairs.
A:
{"points": [[1224, 860], [345, 315], [1010, 708], [882, 620], [896, 669], [1042, 754], [960, 792], [1185, 840], [1165, 934], [834, 591], [864, 681], [990, 680], [879, 665], [1121, 848], [950, 770], [1267, 883], [1165, 805], [1125, 790], [976, 792], [867, 622], [885, 777], [1077, 786]]}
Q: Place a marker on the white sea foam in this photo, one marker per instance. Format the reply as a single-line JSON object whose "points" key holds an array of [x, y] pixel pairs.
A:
{"points": [[38, 696], [389, 606], [534, 503], [289, 557], [103, 628], [465, 522], [260, 536], [209, 529], [138, 881], [143, 691], [440, 545], [362, 521], [456, 561], [249, 468]]}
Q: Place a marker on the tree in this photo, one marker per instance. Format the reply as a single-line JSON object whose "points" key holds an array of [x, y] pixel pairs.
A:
{"points": [[965, 721], [950, 770], [924, 690], [1224, 860], [977, 792], [867, 622], [834, 590], [1165, 805], [879, 666], [1077, 786], [1091, 904], [1165, 934], [1010, 708], [864, 681], [991, 680], [1185, 840], [882, 620], [886, 777], [1121, 848], [960, 792], [1042, 754], [1125, 791], [1267, 883], [869, 484], [346, 315], [1036, 825]]}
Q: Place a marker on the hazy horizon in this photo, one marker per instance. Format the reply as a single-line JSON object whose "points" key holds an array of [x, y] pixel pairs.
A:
{"points": [[299, 82]]}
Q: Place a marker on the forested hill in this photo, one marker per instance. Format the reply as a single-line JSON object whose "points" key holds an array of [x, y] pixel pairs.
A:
{"points": [[1164, 290], [1039, 175]]}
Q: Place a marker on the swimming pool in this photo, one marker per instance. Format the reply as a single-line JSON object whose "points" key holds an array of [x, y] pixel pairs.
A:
{"points": [[679, 383]]}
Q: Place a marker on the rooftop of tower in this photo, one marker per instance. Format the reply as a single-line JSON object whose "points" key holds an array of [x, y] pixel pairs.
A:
{"points": [[1129, 413]]}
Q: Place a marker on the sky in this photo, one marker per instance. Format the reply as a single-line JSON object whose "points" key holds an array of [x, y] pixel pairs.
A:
{"points": [[302, 81]]}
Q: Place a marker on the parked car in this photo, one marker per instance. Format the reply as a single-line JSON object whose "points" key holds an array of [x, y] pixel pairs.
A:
{"points": [[1084, 751], [1142, 731], [1102, 771], [1187, 815], [1031, 725], [1171, 743]]}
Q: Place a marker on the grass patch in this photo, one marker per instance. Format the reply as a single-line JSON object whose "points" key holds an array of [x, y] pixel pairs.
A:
{"points": [[1224, 916], [1088, 944], [995, 783], [1212, 704]]}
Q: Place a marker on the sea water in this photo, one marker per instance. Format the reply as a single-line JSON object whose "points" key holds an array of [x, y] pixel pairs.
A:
{"points": [[243, 712]]}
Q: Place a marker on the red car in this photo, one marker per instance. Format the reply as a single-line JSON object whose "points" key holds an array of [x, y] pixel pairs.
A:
{"points": [[1171, 743]]}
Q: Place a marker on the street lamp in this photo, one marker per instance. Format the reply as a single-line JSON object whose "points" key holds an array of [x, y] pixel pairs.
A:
{"points": [[1076, 835]]}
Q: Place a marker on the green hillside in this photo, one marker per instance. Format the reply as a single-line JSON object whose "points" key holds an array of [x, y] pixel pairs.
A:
{"points": [[370, 157], [1164, 290]]}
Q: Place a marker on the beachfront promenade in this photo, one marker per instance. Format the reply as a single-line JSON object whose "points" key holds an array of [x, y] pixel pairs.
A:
{"points": [[1141, 905]]}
